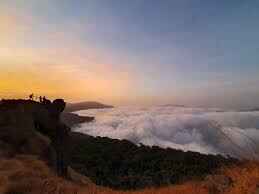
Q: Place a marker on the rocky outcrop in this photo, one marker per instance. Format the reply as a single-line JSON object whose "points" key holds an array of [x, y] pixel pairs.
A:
{"points": [[17, 123], [29, 127]]}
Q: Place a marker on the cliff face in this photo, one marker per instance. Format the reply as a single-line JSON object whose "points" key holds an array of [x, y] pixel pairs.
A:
{"points": [[17, 127], [29, 127]]}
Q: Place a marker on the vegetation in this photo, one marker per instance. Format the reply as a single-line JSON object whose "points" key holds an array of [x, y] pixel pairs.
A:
{"points": [[121, 164], [28, 175]]}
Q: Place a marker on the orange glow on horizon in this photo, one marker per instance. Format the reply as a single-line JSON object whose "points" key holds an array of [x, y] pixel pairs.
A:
{"points": [[60, 70]]}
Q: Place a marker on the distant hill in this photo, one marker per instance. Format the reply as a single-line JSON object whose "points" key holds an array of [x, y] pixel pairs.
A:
{"points": [[173, 105], [250, 109], [71, 107]]}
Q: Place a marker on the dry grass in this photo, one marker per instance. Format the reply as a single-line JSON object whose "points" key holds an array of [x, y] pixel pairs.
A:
{"points": [[245, 178], [27, 175]]}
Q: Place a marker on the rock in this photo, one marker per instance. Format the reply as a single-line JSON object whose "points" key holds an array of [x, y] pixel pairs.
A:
{"points": [[57, 107], [29, 127]]}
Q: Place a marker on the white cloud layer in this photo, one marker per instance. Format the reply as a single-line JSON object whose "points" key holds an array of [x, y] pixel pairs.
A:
{"points": [[196, 129]]}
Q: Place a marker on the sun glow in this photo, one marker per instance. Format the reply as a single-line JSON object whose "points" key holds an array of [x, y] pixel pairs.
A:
{"points": [[60, 70]]}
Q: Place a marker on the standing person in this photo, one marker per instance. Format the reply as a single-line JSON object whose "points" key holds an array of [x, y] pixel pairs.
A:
{"points": [[31, 96]]}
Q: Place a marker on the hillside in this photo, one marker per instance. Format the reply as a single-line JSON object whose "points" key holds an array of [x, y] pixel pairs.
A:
{"points": [[28, 175], [121, 164]]}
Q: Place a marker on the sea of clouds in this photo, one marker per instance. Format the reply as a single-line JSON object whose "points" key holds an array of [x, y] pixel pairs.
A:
{"points": [[196, 129]]}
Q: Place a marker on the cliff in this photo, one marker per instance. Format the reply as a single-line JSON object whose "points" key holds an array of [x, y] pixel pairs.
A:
{"points": [[29, 127]]}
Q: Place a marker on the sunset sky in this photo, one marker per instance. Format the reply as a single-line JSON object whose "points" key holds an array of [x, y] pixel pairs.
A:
{"points": [[132, 52]]}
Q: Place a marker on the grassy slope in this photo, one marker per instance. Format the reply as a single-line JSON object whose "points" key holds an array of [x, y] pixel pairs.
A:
{"points": [[27, 175]]}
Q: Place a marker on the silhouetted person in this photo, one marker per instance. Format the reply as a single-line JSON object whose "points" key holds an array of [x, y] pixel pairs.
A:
{"points": [[46, 101], [31, 96], [40, 99]]}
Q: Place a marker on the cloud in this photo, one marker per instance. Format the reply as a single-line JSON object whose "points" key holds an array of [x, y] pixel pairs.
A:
{"points": [[195, 129]]}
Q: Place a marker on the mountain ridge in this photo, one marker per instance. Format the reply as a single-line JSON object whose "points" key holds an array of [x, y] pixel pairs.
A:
{"points": [[84, 105]]}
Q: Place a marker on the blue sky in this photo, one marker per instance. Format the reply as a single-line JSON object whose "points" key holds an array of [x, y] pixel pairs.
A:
{"points": [[200, 52]]}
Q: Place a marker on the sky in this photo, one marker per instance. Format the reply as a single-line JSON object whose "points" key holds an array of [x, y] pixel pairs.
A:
{"points": [[132, 52]]}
